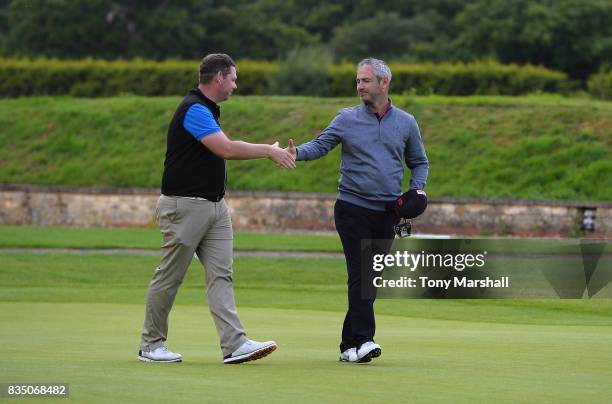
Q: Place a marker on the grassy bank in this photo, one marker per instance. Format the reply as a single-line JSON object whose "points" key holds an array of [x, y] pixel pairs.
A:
{"points": [[536, 147]]}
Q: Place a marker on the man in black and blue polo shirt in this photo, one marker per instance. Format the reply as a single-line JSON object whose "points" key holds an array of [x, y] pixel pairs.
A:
{"points": [[194, 217], [377, 138]]}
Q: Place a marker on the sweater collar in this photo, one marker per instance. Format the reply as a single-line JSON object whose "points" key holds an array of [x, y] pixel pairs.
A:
{"points": [[390, 106]]}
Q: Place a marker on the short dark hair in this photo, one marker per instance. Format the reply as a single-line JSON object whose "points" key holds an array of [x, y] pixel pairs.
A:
{"points": [[214, 63]]}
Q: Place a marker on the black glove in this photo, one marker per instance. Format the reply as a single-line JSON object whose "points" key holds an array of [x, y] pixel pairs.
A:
{"points": [[411, 204]]}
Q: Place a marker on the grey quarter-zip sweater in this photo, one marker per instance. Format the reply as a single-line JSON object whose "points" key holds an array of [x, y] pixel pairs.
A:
{"points": [[373, 152]]}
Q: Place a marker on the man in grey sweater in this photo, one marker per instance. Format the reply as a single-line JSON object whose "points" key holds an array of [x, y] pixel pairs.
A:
{"points": [[376, 137]]}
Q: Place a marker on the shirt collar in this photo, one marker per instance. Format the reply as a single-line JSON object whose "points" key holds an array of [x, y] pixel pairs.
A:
{"points": [[381, 116], [389, 107], [214, 107]]}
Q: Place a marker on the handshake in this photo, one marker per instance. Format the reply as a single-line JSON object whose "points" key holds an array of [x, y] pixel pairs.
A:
{"points": [[283, 158]]}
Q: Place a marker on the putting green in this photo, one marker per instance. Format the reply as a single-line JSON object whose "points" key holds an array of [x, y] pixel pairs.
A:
{"points": [[76, 319], [93, 347]]}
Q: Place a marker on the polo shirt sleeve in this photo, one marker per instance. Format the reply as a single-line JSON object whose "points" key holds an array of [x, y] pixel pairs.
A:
{"points": [[199, 121]]}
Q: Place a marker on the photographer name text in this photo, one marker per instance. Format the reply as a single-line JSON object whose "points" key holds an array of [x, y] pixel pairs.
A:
{"points": [[455, 282]]}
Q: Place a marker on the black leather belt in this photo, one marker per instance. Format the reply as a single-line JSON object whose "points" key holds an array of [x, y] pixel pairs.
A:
{"points": [[213, 198]]}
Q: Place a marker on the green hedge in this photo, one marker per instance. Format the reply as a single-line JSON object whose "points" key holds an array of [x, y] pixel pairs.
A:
{"points": [[96, 78], [486, 78], [99, 78], [600, 85]]}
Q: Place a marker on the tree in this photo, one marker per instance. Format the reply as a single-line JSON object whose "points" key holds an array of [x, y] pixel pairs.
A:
{"points": [[305, 71], [389, 36], [49, 28], [255, 30], [575, 37], [559, 34]]}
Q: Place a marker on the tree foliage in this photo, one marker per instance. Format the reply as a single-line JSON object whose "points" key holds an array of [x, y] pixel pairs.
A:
{"points": [[305, 71], [575, 37]]}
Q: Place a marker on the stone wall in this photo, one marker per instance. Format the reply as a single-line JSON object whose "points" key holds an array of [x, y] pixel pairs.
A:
{"points": [[87, 207]]}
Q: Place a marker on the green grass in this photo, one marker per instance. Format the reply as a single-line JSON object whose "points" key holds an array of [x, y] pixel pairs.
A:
{"points": [[92, 347], [76, 319], [534, 147], [135, 238], [104, 238], [282, 283]]}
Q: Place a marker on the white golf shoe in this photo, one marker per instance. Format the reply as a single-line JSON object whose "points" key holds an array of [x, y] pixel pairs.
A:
{"points": [[367, 351], [250, 351], [161, 354], [349, 355]]}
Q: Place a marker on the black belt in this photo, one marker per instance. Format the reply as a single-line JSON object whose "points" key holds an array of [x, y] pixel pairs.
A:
{"points": [[216, 198]]}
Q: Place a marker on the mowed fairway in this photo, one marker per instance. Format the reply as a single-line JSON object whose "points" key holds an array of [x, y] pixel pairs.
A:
{"points": [[76, 319]]}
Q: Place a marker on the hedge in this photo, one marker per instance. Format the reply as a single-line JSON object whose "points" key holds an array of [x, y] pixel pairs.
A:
{"points": [[485, 78], [600, 85], [99, 78], [96, 78]]}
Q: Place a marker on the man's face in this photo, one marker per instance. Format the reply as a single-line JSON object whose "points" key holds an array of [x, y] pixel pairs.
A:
{"points": [[227, 84], [368, 86]]}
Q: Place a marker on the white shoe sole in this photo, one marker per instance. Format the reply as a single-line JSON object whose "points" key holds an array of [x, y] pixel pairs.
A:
{"points": [[145, 359], [251, 356]]}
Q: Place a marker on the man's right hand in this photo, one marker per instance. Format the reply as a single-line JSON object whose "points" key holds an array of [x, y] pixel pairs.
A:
{"points": [[282, 157], [292, 149]]}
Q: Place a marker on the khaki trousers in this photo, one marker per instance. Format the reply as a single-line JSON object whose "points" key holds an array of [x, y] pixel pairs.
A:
{"points": [[202, 227]]}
